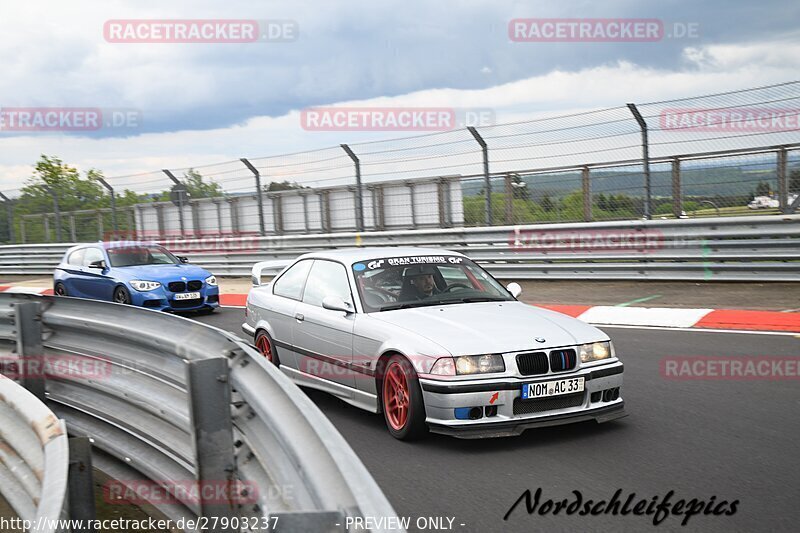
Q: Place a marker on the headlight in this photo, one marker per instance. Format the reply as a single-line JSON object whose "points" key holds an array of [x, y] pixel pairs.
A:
{"points": [[468, 364], [145, 285], [211, 281], [595, 351]]}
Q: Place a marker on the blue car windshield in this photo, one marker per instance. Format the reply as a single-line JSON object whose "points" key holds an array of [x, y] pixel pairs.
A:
{"points": [[401, 282], [140, 255]]}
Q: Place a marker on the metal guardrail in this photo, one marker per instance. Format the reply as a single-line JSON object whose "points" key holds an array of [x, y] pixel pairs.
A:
{"points": [[765, 248], [34, 456], [166, 400]]}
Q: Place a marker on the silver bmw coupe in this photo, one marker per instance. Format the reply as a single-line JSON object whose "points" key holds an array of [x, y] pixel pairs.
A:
{"points": [[431, 340]]}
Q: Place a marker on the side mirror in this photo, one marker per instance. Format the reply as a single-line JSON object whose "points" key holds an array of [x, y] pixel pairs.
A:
{"points": [[334, 303], [98, 264], [183, 258], [514, 289]]}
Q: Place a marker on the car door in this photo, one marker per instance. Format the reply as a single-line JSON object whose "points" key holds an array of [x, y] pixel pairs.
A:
{"points": [[96, 283], [279, 310], [324, 337], [73, 269]]}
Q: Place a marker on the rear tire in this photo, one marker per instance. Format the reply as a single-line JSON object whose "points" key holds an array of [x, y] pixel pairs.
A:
{"points": [[60, 289], [401, 400], [122, 296], [266, 347]]}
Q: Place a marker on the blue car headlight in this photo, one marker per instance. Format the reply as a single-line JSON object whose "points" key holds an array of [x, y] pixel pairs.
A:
{"points": [[211, 281], [143, 286]]}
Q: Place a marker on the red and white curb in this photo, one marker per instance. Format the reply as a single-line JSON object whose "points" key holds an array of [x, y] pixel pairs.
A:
{"points": [[606, 315]]}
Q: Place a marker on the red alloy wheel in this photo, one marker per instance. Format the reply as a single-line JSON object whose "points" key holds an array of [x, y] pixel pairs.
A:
{"points": [[396, 396], [264, 347]]}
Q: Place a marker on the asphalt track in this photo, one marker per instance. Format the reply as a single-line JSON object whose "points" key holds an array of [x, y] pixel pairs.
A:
{"points": [[735, 440]]}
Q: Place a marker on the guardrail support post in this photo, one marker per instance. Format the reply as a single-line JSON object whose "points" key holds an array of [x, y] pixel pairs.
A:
{"points": [[783, 181], [645, 159], [10, 211], [677, 194], [259, 195], [28, 325], [587, 194], [359, 198], [81, 484], [212, 433], [487, 182]]}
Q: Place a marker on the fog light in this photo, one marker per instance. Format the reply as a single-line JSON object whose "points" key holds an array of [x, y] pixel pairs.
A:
{"points": [[607, 395], [490, 410], [597, 396], [475, 413]]}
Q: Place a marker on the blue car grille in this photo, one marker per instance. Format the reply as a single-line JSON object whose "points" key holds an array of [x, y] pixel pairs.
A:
{"points": [[182, 286]]}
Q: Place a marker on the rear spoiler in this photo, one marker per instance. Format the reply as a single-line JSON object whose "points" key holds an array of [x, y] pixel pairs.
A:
{"points": [[272, 267]]}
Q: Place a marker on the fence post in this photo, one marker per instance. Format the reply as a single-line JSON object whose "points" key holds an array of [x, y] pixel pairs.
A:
{"points": [[196, 218], [233, 205], [378, 207], [277, 212], [509, 191], [110, 189], [99, 225], [46, 220], [445, 207], [212, 435], [81, 484], [359, 198], [181, 200], [413, 203], [783, 181], [56, 211], [645, 158], [28, 326], [160, 220], [304, 197], [677, 194], [10, 210], [487, 182], [22, 229], [325, 207], [73, 235], [259, 196], [587, 194]]}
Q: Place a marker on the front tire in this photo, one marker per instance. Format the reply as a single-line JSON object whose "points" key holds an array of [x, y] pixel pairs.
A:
{"points": [[401, 399], [122, 296]]}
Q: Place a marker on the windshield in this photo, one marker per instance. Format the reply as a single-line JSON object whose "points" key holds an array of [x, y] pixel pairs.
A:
{"points": [[418, 281], [140, 255]]}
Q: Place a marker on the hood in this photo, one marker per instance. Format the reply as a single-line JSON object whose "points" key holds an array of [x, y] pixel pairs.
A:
{"points": [[492, 327], [163, 273]]}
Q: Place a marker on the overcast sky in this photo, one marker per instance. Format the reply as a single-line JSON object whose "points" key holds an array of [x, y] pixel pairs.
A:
{"points": [[203, 103]]}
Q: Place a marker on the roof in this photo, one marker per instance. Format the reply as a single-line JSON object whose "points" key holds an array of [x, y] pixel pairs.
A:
{"points": [[368, 253]]}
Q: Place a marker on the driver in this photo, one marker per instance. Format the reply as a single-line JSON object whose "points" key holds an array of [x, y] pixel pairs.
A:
{"points": [[419, 283]]}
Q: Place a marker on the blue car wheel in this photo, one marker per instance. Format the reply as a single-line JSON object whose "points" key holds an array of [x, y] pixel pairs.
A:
{"points": [[122, 296]]}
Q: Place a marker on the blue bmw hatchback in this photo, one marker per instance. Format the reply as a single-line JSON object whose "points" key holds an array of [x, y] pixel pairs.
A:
{"points": [[136, 273]]}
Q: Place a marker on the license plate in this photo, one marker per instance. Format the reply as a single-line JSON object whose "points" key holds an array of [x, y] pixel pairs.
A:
{"points": [[544, 389], [187, 296]]}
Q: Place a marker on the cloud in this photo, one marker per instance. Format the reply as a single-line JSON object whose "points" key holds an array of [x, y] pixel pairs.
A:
{"points": [[706, 70]]}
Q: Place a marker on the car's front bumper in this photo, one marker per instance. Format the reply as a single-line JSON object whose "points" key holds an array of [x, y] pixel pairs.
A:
{"points": [[162, 299], [442, 398]]}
